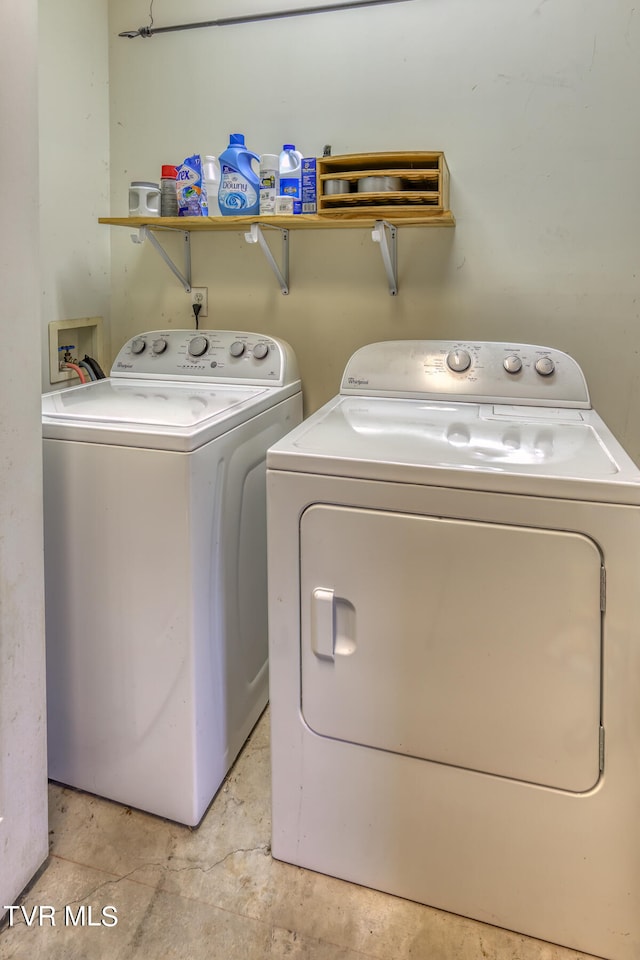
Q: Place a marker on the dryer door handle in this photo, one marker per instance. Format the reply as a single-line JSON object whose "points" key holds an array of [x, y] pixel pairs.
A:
{"points": [[323, 623]]}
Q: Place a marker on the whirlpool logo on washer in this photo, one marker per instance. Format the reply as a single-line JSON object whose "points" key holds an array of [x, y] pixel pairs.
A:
{"points": [[124, 366], [357, 381]]}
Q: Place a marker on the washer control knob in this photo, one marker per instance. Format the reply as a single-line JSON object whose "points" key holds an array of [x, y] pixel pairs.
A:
{"points": [[137, 345], [198, 346], [545, 366], [512, 364], [237, 348], [159, 345], [260, 350], [458, 361]]}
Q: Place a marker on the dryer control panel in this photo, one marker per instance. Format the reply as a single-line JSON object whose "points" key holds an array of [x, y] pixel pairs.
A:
{"points": [[483, 372], [230, 356]]}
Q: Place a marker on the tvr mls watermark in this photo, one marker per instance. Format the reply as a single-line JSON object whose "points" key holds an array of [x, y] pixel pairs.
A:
{"points": [[45, 915]]}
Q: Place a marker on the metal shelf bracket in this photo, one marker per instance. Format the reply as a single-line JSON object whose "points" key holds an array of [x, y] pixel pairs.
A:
{"points": [[256, 235], [389, 251], [144, 233]]}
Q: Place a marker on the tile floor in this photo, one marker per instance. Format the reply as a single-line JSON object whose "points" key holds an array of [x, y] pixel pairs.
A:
{"points": [[216, 893]]}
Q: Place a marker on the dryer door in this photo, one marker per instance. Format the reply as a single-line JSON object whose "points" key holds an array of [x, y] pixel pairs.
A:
{"points": [[460, 642]]}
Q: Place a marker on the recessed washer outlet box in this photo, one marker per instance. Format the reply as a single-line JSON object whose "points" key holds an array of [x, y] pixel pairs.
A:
{"points": [[83, 335]]}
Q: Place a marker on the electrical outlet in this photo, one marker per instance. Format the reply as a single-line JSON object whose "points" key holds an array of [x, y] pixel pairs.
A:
{"points": [[201, 295]]}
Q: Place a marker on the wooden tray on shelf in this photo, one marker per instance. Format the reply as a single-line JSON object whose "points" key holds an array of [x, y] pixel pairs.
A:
{"points": [[424, 185]]}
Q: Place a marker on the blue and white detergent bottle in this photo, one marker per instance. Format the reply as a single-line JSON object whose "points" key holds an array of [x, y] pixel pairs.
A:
{"points": [[290, 166], [239, 193]]}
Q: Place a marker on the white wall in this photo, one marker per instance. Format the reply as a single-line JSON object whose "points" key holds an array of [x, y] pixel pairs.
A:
{"points": [[54, 264], [74, 163], [532, 103], [23, 798]]}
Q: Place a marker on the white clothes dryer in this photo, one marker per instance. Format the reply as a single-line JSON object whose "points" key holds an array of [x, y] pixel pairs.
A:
{"points": [[454, 557], [155, 564]]}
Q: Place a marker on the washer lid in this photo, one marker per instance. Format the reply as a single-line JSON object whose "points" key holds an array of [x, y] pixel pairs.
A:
{"points": [[472, 445], [127, 411]]}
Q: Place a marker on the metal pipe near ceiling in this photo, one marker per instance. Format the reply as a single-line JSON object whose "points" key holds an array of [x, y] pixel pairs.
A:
{"points": [[257, 17]]}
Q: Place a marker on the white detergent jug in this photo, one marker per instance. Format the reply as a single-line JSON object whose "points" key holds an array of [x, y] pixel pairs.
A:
{"points": [[290, 166]]}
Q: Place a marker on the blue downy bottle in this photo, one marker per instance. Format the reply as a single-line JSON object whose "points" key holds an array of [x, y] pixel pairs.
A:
{"points": [[239, 191]]}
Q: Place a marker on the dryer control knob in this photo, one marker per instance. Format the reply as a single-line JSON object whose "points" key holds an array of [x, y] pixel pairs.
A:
{"points": [[260, 350], [137, 345], [545, 366], [198, 346], [159, 345], [237, 348], [512, 364], [458, 361]]}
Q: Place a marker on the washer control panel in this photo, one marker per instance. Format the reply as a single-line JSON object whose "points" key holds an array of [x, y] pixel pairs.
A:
{"points": [[226, 355], [482, 372]]}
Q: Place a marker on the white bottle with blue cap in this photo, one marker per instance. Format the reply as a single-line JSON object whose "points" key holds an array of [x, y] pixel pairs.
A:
{"points": [[290, 165]]}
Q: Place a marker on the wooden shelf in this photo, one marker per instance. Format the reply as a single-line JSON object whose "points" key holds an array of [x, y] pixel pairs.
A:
{"points": [[303, 221], [422, 201], [419, 205]]}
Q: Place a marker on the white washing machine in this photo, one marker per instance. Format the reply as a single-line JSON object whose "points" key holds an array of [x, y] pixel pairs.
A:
{"points": [[155, 564], [454, 582]]}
